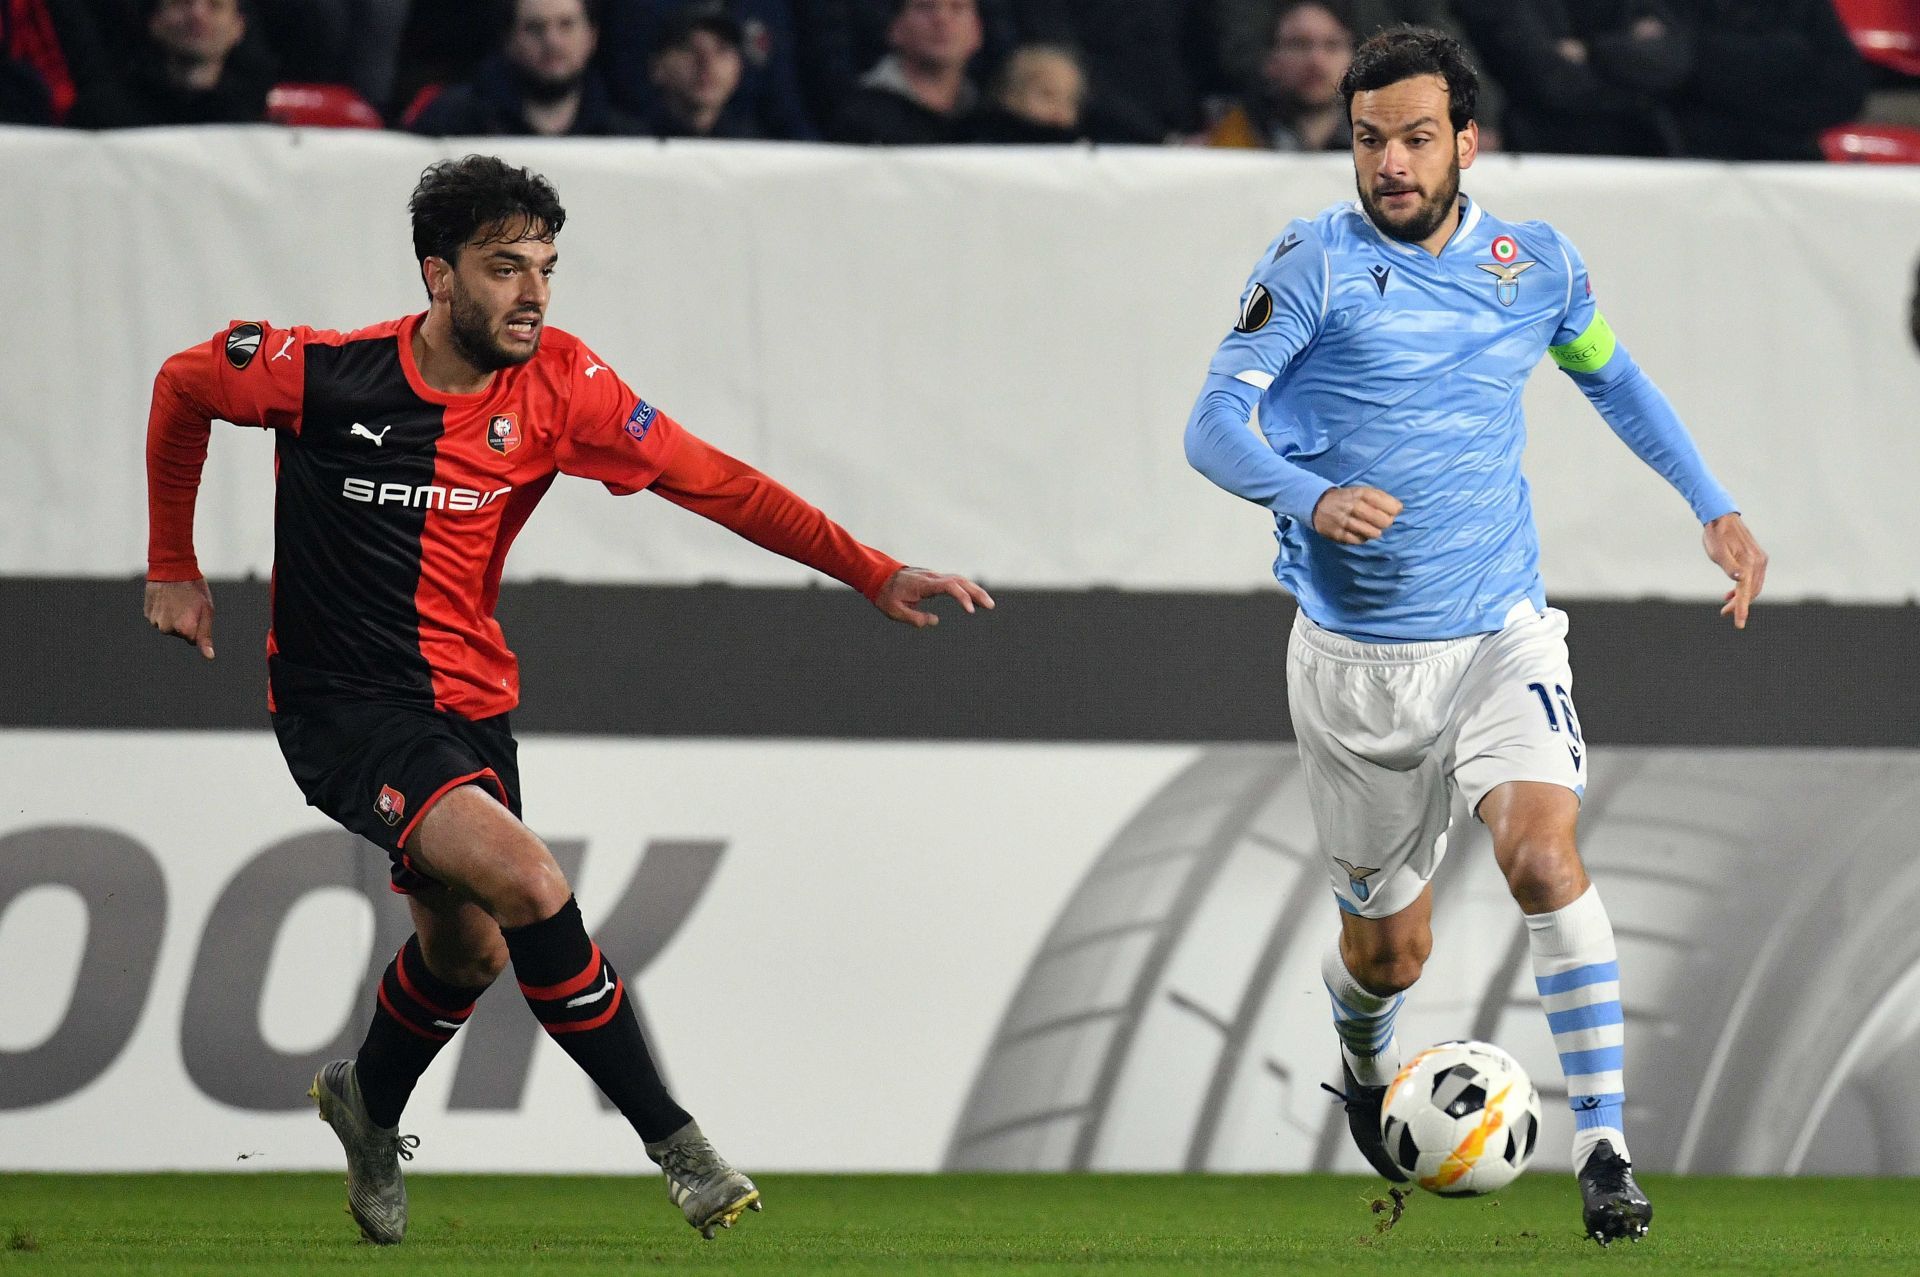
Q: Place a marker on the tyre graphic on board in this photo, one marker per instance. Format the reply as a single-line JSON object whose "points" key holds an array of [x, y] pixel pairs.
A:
{"points": [[1173, 1018]]}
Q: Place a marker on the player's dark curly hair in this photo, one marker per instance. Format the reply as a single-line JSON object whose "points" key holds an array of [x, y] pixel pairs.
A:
{"points": [[480, 200], [1400, 53]]}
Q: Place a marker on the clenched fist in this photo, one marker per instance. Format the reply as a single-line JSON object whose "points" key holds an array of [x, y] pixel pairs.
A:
{"points": [[1354, 516]]}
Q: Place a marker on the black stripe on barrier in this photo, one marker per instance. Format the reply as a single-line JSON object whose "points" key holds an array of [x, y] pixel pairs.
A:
{"points": [[1049, 665]]}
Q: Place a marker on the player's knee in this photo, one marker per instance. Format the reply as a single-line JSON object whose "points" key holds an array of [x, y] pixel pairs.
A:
{"points": [[1543, 873], [531, 887], [1392, 969]]}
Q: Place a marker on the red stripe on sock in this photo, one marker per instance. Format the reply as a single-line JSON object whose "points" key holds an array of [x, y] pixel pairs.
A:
{"points": [[400, 969], [566, 988], [407, 1024], [581, 1026]]}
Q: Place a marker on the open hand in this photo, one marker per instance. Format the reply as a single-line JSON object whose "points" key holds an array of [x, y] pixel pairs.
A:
{"points": [[909, 586], [1730, 545], [183, 609], [1354, 516]]}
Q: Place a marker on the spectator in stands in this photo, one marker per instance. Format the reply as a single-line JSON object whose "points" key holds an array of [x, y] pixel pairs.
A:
{"points": [[1768, 77], [1298, 106], [539, 84], [769, 98], [919, 93], [1244, 28], [840, 40], [696, 74], [1596, 77], [1037, 98], [192, 68], [1148, 61]]}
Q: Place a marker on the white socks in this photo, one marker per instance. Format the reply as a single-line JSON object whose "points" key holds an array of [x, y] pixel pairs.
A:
{"points": [[1577, 972], [1364, 1021]]}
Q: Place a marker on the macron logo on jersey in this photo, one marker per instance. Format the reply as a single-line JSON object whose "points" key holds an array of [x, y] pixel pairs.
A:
{"points": [[427, 496]]}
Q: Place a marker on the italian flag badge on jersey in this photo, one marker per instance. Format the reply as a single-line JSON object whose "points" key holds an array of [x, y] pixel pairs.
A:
{"points": [[1505, 250]]}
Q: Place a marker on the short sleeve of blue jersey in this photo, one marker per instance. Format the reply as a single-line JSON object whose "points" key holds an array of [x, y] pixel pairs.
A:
{"points": [[1280, 310]]}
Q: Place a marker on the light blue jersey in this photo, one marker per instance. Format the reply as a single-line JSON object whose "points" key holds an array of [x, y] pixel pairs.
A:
{"points": [[1375, 363]]}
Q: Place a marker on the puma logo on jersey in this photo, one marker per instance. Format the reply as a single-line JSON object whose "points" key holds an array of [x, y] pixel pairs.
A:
{"points": [[285, 346], [426, 496], [379, 440], [593, 368], [597, 994]]}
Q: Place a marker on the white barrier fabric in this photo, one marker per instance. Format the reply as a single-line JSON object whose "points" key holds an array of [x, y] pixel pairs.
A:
{"points": [[825, 1003], [981, 359], [925, 956]]}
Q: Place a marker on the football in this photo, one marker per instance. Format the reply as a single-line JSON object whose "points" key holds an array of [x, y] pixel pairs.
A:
{"points": [[1461, 1119]]}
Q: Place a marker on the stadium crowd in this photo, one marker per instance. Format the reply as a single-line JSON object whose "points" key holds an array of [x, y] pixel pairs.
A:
{"points": [[1733, 79]]}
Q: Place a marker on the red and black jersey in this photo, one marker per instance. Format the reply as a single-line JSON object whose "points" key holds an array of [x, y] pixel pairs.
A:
{"points": [[396, 503]]}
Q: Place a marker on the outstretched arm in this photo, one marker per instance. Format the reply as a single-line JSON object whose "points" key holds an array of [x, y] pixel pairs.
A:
{"points": [[705, 480], [617, 437], [1635, 410]]}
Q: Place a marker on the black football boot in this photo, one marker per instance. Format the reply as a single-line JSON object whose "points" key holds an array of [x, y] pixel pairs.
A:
{"points": [[1363, 1119], [1612, 1203]]}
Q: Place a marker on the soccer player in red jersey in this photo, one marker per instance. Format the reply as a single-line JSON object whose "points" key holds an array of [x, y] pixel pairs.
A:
{"points": [[408, 456]]}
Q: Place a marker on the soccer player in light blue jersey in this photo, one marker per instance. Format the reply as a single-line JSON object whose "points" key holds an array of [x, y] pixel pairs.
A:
{"points": [[1385, 343]]}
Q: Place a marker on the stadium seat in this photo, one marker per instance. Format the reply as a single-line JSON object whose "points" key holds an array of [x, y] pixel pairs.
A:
{"points": [[1887, 32], [1871, 144], [421, 101], [320, 106]]}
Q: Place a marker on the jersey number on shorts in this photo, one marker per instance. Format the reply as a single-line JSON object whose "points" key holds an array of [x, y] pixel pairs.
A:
{"points": [[1566, 709]]}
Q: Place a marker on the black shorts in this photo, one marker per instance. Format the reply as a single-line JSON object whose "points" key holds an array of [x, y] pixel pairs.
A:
{"points": [[376, 769]]}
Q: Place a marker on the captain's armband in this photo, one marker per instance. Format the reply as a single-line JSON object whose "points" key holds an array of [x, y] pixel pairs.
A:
{"points": [[1590, 351]]}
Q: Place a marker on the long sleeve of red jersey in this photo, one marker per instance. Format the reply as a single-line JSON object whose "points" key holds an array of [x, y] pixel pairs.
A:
{"points": [[705, 480], [233, 378]]}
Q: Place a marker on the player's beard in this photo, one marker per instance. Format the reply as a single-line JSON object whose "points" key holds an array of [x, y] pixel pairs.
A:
{"points": [[1425, 219], [473, 337]]}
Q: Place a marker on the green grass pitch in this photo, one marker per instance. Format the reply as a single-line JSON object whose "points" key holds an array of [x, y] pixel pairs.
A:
{"points": [[945, 1224]]}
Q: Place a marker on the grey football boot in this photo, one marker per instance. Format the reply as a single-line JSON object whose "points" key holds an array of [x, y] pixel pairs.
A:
{"points": [[376, 1193], [708, 1191]]}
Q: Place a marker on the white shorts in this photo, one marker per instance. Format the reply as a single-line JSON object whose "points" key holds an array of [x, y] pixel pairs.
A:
{"points": [[1389, 731]]}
